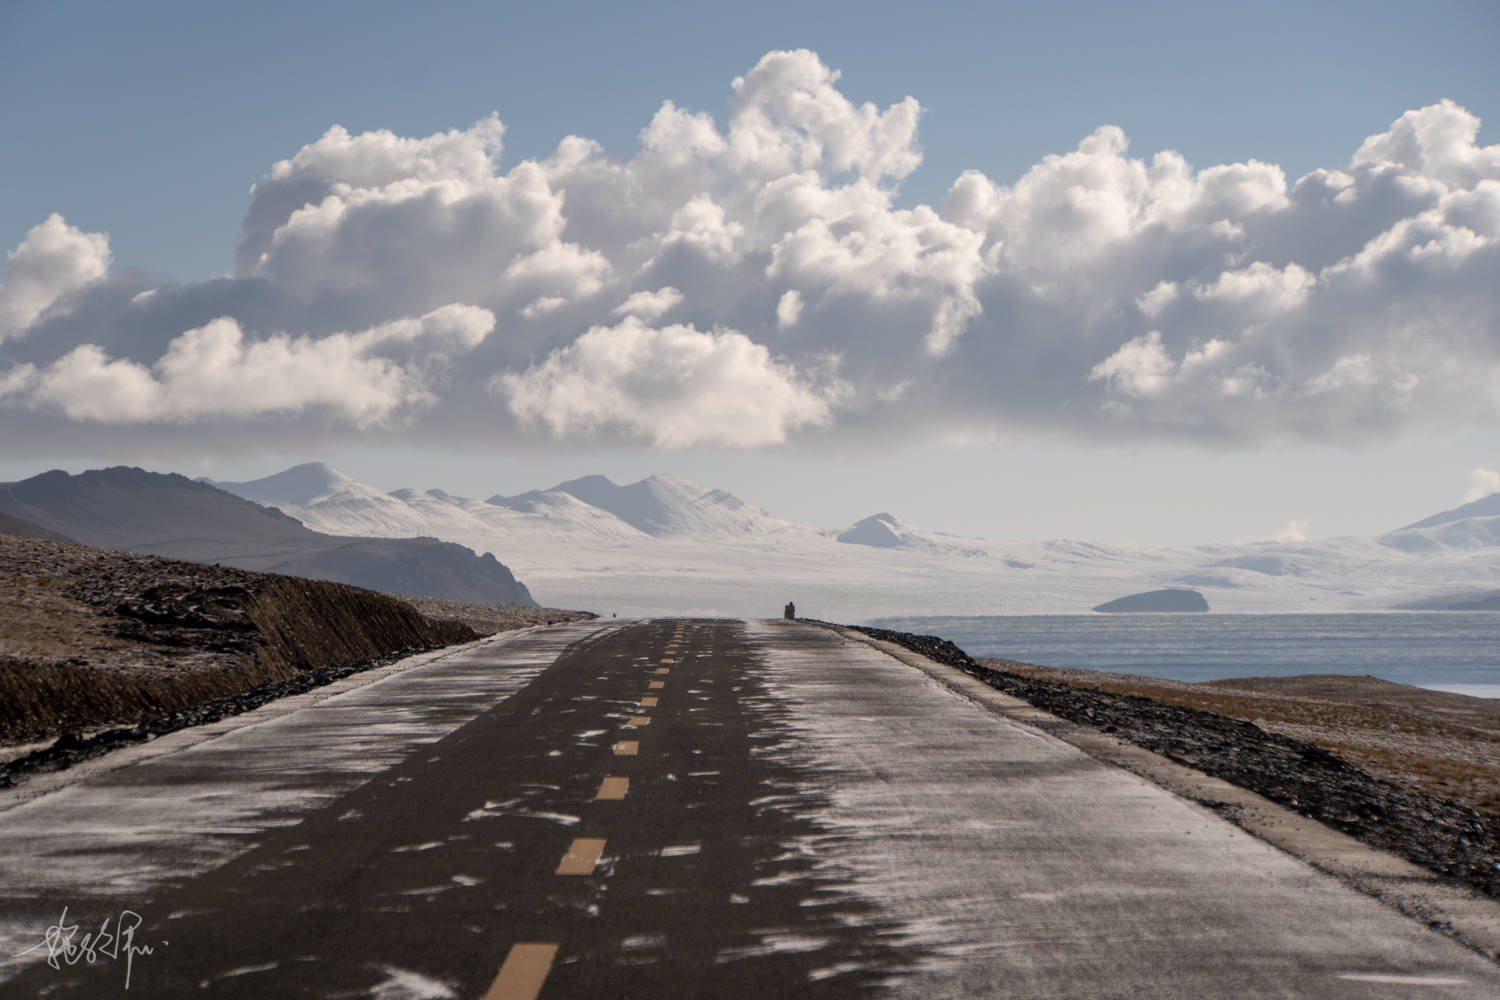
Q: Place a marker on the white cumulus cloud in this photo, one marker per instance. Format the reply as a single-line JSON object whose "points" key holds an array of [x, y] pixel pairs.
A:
{"points": [[1292, 531], [1140, 368], [216, 371], [789, 309], [723, 261], [1482, 482], [675, 386], [649, 305], [54, 260]]}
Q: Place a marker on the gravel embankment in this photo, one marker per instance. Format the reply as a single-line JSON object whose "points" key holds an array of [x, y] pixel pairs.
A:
{"points": [[1442, 835], [488, 619]]}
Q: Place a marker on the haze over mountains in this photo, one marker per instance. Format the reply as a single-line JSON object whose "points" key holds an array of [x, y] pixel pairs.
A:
{"points": [[667, 544], [169, 515]]}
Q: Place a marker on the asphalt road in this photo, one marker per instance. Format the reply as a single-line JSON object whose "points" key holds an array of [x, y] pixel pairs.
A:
{"points": [[667, 809]]}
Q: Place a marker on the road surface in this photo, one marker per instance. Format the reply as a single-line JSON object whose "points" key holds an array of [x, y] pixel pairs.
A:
{"points": [[665, 809]]}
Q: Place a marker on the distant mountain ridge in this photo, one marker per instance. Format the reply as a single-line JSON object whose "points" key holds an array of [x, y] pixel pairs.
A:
{"points": [[589, 509], [134, 510], [665, 543], [169, 515], [659, 505]]}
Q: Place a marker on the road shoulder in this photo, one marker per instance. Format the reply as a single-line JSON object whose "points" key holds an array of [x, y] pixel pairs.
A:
{"points": [[1455, 910]]}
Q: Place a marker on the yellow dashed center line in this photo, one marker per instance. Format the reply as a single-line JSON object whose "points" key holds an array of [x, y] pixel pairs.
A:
{"points": [[527, 965], [582, 857], [613, 788], [523, 973]]}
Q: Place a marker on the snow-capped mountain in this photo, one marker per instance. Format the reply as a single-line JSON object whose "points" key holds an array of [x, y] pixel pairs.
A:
{"points": [[1472, 526], [660, 505], [327, 500], [882, 531], [300, 485], [887, 531], [666, 544], [362, 509]]}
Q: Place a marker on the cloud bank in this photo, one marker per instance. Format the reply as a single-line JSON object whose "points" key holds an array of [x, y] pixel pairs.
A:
{"points": [[744, 283]]}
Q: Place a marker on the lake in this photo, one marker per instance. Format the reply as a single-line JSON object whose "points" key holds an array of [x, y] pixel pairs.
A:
{"points": [[1445, 651]]}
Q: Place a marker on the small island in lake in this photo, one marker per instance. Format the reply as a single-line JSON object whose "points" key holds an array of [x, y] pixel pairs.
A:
{"points": [[1473, 600], [1156, 600]]}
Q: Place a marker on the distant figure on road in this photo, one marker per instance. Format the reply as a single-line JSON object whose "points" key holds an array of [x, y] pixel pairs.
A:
{"points": [[790, 611]]}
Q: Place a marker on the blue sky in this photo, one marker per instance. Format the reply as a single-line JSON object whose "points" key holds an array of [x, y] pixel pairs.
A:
{"points": [[150, 122]]}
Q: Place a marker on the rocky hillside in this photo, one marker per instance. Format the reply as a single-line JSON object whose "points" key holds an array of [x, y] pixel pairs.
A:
{"points": [[92, 638]]}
